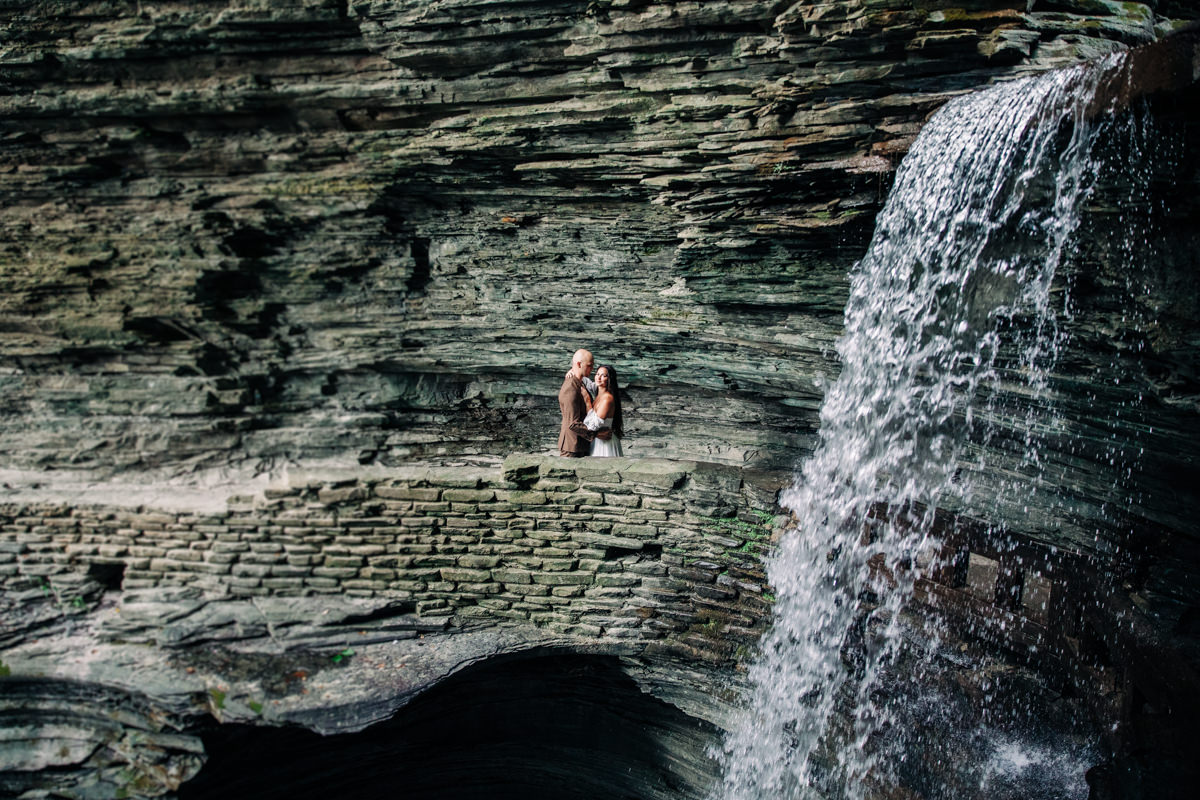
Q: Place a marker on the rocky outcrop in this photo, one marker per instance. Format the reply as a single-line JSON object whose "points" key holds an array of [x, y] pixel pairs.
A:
{"points": [[149, 653], [636, 550]]}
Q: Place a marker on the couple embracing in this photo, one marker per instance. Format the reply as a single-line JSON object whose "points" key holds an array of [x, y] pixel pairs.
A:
{"points": [[591, 410]]}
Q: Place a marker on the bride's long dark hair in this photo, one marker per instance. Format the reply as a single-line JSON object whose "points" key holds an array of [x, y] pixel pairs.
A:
{"points": [[618, 425]]}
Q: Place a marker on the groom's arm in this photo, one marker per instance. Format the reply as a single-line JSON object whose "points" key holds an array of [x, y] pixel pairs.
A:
{"points": [[569, 403]]}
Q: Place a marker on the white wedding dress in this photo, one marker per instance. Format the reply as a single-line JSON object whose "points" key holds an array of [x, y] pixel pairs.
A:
{"points": [[601, 447]]}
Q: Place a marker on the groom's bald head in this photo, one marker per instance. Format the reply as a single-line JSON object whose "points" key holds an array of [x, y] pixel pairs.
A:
{"points": [[581, 363]]}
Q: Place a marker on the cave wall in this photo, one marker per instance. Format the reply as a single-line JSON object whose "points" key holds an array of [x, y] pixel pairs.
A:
{"points": [[250, 233]]}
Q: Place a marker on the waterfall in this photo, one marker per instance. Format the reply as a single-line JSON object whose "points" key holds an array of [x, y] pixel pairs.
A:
{"points": [[956, 282]]}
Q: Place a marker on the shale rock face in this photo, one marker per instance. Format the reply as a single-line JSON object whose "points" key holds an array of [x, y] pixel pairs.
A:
{"points": [[238, 235], [251, 232]]}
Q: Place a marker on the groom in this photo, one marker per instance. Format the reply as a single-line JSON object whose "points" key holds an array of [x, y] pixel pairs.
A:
{"points": [[574, 439]]}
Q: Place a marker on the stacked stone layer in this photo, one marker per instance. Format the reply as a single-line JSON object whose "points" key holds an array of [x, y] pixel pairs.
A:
{"points": [[608, 549]]}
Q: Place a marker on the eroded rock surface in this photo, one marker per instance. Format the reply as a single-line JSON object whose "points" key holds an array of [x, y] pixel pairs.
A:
{"points": [[111, 703], [239, 235], [503, 706], [262, 232]]}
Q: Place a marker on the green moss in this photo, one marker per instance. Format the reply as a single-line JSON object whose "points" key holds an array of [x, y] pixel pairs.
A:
{"points": [[740, 528], [1138, 10]]}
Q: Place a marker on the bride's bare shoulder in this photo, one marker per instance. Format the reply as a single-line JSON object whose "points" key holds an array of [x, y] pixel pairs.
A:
{"points": [[603, 404]]}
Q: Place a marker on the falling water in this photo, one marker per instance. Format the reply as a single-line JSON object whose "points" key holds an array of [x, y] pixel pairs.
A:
{"points": [[959, 271]]}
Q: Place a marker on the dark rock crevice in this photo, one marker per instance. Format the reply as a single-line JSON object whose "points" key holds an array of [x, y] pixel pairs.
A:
{"points": [[549, 727]]}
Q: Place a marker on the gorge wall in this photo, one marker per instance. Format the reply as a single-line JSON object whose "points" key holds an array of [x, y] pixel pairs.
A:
{"points": [[357, 242], [253, 233]]}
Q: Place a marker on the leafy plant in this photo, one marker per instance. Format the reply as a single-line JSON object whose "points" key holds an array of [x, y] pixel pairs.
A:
{"points": [[218, 698], [751, 533], [339, 657]]}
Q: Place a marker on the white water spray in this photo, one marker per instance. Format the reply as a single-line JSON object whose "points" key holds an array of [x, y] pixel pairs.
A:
{"points": [[958, 272]]}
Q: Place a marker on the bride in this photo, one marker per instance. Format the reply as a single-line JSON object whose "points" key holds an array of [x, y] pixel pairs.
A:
{"points": [[605, 412]]}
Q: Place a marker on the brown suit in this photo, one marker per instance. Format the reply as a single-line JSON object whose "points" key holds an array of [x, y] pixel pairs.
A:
{"points": [[574, 439]]}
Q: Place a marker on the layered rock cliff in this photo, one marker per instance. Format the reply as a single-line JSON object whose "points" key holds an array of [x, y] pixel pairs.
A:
{"points": [[244, 235], [253, 233]]}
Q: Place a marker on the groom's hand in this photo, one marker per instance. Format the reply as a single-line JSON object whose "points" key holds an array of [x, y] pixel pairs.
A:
{"points": [[605, 434]]}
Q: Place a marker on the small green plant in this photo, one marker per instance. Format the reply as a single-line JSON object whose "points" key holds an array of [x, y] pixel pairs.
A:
{"points": [[255, 706], [770, 598], [48, 591], [751, 533], [764, 517], [218, 698], [5, 670], [339, 657], [740, 527]]}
